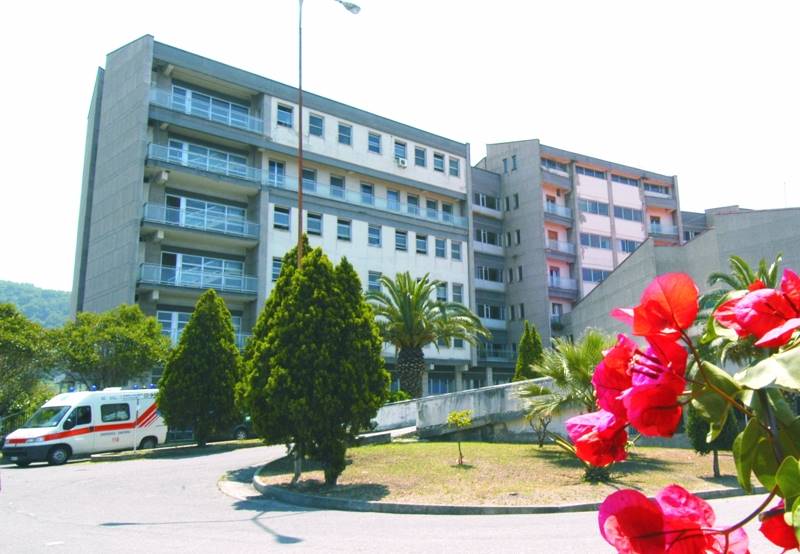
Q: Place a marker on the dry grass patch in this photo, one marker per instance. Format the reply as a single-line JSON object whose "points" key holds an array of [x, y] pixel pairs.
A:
{"points": [[499, 474]]}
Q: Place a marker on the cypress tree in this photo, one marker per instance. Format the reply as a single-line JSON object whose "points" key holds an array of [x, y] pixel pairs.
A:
{"points": [[197, 387], [529, 353], [697, 430]]}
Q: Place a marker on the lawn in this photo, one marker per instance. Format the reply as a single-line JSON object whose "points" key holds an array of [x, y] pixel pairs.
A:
{"points": [[499, 474]]}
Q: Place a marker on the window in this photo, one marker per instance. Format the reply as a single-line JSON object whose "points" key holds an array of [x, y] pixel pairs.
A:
{"points": [[505, 165], [508, 204], [82, 415], [491, 311], [518, 236], [626, 245], [393, 200], [593, 207], [595, 241], [422, 244], [432, 209], [420, 156], [374, 281], [629, 214], [337, 186], [513, 162], [458, 343], [512, 312], [519, 273], [455, 249], [510, 274], [521, 312], [343, 229], [207, 159], [556, 310], [590, 172], [508, 238], [447, 213], [280, 218], [276, 268], [660, 189], [487, 237], [374, 143], [441, 248], [413, 204], [277, 173], [314, 224], [488, 274], [438, 162], [285, 116], [310, 179], [594, 275], [625, 180], [486, 201], [441, 292], [455, 167], [316, 125], [516, 201], [114, 412], [552, 165], [458, 293], [400, 150], [345, 134], [401, 240], [374, 235], [655, 220], [209, 107], [367, 194]]}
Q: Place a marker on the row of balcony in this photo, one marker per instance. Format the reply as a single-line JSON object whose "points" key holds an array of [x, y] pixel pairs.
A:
{"points": [[225, 281], [207, 110], [496, 354], [177, 156], [202, 220]]}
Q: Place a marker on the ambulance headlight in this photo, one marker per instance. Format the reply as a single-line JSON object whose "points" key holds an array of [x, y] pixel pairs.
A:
{"points": [[34, 440]]}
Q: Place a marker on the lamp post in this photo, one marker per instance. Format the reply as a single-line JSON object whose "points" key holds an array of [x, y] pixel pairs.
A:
{"points": [[354, 9]]}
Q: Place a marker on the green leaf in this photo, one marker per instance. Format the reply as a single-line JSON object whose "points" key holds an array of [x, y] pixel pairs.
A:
{"points": [[744, 452], [765, 466], [706, 400], [795, 517], [788, 479], [781, 370]]}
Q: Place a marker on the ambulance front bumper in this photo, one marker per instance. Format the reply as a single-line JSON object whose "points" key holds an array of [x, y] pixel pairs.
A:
{"points": [[25, 453]]}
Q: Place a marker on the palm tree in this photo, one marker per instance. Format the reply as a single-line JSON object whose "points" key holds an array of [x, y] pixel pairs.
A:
{"points": [[570, 365], [410, 317]]}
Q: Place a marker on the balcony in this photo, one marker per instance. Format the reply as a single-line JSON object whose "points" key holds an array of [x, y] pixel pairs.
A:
{"points": [[229, 117], [556, 178], [208, 164], [155, 274], [496, 355], [174, 337], [496, 324], [200, 220], [488, 212], [665, 230], [495, 286], [558, 214], [487, 248], [241, 340], [660, 200], [562, 283]]}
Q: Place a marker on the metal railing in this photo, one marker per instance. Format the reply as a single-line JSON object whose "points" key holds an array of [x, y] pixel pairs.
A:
{"points": [[204, 163], [560, 246], [562, 283], [555, 209], [166, 99], [174, 337], [496, 354], [156, 274], [203, 220], [659, 229]]}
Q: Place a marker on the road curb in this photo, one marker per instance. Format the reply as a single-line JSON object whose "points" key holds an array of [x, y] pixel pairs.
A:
{"points": [[170, 451], [281, 494]]}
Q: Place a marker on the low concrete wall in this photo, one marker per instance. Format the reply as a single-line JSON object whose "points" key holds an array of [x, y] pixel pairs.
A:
{"points": [[397, 415]]}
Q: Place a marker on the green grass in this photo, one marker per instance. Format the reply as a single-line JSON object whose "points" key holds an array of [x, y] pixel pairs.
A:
{"points": [[498, 474]]}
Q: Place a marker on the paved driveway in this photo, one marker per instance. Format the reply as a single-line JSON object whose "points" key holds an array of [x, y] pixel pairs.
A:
{"points": [[175, 505]]}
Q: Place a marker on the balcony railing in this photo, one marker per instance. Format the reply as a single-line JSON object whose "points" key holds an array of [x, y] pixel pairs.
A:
{"points": [[560, 246], [241, 340], [203, 220], [658, 229], [154, 274], [174, 337], [496, 354], [204, 163], [166, 99], [562, 283], [555, 209]]}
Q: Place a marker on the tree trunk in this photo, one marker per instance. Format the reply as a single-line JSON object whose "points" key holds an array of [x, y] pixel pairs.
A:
{"points": [[460, 455], [298, 465], [410, 367], [716, 463]]}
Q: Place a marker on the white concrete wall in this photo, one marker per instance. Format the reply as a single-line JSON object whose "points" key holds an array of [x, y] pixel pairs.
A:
{"points": [[397, 415]]}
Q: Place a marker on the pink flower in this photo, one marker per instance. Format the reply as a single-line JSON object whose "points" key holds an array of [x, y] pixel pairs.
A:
{"points": [[599, 437]]}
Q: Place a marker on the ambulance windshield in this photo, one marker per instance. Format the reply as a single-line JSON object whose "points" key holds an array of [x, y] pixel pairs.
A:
{"points": [[48, 416]]}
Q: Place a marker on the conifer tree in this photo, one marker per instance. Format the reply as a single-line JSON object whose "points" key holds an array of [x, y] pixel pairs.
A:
{"points": [[197, 387], [697, 430], [530, 353]]}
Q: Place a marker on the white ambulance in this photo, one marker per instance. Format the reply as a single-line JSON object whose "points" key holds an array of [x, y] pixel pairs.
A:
{"points": [[82, 423]]}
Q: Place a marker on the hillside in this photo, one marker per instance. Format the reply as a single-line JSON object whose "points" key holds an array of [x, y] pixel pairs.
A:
{"points": [[48, 307]]}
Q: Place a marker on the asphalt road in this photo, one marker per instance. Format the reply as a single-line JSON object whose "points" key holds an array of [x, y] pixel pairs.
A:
{"points": [[175, 505]]}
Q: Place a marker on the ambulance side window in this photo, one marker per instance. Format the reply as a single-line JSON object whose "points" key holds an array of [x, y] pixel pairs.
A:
{"points": [[82, 415], [115, 412]]}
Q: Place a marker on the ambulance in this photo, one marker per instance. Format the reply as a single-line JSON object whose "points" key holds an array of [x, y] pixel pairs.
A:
{"points": [[83, 423]]}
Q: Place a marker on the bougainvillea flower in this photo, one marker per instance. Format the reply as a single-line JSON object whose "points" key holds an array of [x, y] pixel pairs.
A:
{"points": [[660, 363], [612, 376], [654, 409], [599, 437], [775, 528], [766, 314], [668, 306], [677, 522]]}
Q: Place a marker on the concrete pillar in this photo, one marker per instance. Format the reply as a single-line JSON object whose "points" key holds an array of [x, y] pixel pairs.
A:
{"points": [[489, 379], [460, 369], [425, 391]]}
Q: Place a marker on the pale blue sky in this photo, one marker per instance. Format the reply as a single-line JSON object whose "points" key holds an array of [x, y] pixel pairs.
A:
{"points": [[704, 90]]}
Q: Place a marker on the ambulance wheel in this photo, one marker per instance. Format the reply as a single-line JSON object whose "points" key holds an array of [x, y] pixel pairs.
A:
{"points": [[22, 464], [148, 443], [58, 455]]}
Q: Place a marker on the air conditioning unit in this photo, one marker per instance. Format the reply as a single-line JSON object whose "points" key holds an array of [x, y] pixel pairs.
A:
{"points": [[401, 162]]}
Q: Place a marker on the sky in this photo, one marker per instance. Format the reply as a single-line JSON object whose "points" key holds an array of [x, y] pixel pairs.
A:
{"points": [[705, 90]]}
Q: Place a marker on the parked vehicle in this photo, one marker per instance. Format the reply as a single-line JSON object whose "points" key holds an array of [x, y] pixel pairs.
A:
{"points": [[241, 431], [82, 423]]}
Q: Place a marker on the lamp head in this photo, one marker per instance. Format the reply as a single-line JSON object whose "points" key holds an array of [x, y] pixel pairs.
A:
{"points": [[350, 7]]}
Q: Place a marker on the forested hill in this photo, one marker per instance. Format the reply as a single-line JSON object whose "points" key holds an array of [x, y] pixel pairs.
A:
{"points": [[48, 307]]}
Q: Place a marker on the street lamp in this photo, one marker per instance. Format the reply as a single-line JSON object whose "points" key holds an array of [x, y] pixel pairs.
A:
{"points": [[354, 9]]}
